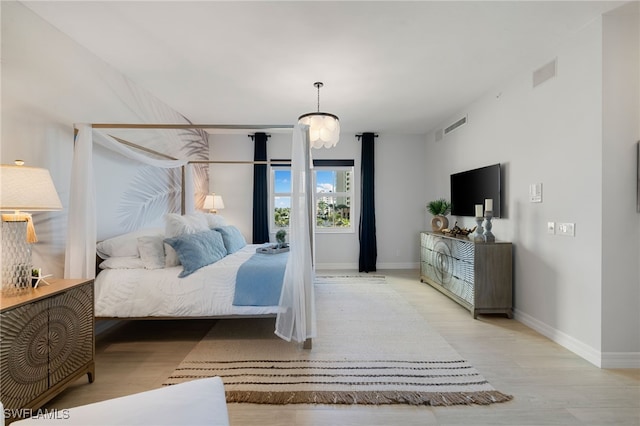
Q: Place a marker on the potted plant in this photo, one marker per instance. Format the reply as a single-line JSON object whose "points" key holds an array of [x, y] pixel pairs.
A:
{"points": [[281, 235], [439, 208], [35, 275]]}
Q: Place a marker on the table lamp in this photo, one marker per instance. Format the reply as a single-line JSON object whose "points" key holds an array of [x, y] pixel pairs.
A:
{"points": [[213, 202], [22, 189]]}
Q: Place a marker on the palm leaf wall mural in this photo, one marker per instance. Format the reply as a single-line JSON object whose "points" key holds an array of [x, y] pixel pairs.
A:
{"points": [[154, 192]]}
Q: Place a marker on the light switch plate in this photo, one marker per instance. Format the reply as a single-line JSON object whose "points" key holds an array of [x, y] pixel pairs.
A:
{"points": [[535, 193], [567, 229], [551, 228]]}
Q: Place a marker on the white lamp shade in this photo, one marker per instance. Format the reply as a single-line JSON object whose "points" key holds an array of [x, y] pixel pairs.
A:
{"points": [[213, 202], [25, 188], [324, 129]]}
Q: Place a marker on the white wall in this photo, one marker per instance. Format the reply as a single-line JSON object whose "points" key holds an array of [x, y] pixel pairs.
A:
{"points": [[49, 82], [620, 221], [400, 199], [553, 134]]}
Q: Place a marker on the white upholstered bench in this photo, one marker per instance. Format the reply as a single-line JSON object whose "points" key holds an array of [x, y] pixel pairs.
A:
{"points": [[198, 402]]}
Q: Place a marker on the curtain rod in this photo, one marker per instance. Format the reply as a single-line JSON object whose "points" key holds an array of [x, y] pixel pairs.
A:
{"points": [[191, 126], [267, 162], [375, 135]]}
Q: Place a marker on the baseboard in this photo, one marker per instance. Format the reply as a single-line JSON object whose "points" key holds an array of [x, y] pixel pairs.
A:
{"points": [[399, 265], [379, 266], [595, 357], [561, 338], [621, 360], [350, 266]]}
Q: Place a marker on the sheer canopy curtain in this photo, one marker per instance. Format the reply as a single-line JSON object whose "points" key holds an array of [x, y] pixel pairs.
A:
{"points": [[80, 255], [298, 321]]}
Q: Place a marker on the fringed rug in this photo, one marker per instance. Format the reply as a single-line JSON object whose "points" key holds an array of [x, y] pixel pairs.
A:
{"points": [[372, 347]]}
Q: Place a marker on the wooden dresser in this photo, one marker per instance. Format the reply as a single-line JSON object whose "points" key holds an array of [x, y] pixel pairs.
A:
{"points": [[476, 275], [46, 343]]}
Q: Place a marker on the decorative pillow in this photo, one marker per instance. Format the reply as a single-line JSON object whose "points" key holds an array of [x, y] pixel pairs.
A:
{"points": [[124, 262], [125, 245], [197, 250], [215, 220], [176, 225], [151, 249], [232, 237]]}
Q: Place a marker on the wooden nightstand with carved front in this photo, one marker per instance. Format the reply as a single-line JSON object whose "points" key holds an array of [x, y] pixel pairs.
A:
{"points": [[46, 343]]}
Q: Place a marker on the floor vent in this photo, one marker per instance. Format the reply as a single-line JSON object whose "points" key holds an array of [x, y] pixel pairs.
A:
{"points": [[455, 125], [545, 72]]}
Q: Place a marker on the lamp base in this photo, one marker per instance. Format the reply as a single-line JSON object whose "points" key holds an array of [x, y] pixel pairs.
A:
{"points": [[16, 258]]}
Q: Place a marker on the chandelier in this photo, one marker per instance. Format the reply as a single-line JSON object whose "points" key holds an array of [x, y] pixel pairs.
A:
{"points": [[324, 128]]}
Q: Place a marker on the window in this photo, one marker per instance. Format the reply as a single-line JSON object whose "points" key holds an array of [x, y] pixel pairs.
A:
{"points": [[333, 201], [281, 196], [333, 180]]}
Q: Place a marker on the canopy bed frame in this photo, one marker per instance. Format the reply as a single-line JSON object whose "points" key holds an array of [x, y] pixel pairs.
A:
{"points": [[295, 319]]}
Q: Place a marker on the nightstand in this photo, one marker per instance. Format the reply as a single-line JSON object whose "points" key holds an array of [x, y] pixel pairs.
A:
{"points": [[46, 343]]}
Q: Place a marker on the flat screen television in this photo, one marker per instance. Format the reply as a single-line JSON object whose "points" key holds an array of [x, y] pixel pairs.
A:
{"points": [[473, 187]]}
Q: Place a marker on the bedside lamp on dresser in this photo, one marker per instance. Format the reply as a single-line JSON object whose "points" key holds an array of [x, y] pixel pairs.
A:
{"points": [[22, 189], [46, 333]]}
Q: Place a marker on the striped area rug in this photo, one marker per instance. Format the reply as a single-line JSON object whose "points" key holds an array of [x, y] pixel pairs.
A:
{"points": [[372, 348]]}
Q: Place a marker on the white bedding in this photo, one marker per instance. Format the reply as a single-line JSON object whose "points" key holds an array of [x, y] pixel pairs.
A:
{"points": [[131, 293]]}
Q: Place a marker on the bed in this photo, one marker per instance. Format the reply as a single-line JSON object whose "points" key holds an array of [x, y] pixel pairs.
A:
{"points": [[143, 276], [127, 287]]}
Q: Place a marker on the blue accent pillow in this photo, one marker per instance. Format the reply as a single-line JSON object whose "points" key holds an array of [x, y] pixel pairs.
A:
{"points": [[232, 237], [197, 250]]}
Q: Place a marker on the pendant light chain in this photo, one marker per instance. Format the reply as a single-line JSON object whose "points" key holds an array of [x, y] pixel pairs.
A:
{"points": [[318, 84]]}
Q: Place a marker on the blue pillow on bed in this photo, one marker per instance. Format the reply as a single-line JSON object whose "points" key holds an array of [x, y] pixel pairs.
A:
{"points": [[232, 237], [197, 250]]}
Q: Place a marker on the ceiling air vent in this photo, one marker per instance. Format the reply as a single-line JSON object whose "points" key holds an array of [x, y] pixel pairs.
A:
{"points": [[455, 125], [545, 72]]}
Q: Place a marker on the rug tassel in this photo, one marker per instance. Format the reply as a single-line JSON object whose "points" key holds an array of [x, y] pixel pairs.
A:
{"points": [[368, 398]]}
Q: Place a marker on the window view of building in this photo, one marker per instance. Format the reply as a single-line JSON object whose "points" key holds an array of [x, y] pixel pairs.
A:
{"points": [[333, 198]]}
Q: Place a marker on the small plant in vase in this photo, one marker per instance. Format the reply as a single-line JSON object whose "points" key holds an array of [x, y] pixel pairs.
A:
{"points": [[281, 236], [439, 209], [35, 275], [37, 278]]}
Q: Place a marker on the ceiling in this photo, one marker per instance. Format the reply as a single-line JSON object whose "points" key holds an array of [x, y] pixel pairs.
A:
{"points": [[387, 66]]}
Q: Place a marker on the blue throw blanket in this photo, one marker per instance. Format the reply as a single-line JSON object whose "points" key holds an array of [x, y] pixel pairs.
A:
{"points": [[259, 280]]}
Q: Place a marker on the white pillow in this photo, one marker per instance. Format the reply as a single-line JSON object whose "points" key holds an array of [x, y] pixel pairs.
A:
{"points": [[124, 245], [124, 262], [151, 249], [215, 220], [176, 225]]}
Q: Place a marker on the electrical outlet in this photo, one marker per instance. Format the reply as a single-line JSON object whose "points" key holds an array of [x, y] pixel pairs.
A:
{"points": [[551, 228], [567, 229]]}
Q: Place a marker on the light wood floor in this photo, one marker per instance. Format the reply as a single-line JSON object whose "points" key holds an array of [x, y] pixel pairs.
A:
{"points": [[550, 385]]}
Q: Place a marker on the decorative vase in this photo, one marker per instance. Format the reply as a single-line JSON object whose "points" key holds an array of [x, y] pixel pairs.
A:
{"points": [[16, 257], [439, 222]]}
